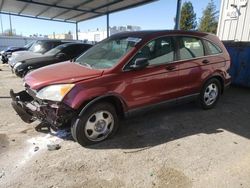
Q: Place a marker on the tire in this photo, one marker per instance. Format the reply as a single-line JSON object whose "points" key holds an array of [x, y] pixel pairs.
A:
{"points": [[210, 94], [4, 60], [98, 123]]}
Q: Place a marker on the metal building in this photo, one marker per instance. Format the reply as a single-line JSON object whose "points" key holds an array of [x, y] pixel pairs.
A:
{"points": [[234, 21]]}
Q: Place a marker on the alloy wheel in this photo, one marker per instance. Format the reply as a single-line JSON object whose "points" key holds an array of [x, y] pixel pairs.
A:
{"points": [[210, 94], [99, 125]]}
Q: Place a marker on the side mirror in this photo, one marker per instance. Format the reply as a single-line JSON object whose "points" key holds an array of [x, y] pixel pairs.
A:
{"points": [[61, 55], [73, 59], [139, 64]]}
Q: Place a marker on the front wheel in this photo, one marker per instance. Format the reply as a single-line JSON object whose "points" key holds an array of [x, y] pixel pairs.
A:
{"points": [[98, 123], [210, 94]]}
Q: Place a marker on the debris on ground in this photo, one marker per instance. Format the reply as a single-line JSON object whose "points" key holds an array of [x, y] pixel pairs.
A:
{"points": [[63, 134], [2, 174], [36, 148], [43, 127], [52, 147]]}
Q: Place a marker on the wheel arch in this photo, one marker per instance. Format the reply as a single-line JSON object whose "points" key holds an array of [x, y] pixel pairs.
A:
{"points": [[118, 102], [219, 78]]}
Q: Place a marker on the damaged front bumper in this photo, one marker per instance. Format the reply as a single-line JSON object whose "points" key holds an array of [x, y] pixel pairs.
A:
{"points": [[29, 108]]}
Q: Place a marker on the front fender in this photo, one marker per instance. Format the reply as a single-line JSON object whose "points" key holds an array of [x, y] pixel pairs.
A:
{"points": [[79, 95]]}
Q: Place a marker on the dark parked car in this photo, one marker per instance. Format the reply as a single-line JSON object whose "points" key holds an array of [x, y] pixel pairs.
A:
{"points": [[61, 53], [126, 72], [36, 50], [5, 54]]}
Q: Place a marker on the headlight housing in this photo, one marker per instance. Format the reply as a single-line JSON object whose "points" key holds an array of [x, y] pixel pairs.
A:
{"points": [[12, 61], [16, 65], [54, 92]]}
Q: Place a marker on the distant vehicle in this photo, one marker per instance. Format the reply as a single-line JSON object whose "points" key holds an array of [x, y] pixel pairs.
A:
{"points": [[5, 54], [61, 53], [36, 50], [123, 74]]}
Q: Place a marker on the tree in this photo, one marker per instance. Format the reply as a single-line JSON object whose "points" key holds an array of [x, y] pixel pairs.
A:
{"points": [[209, 19], [188, 17]]}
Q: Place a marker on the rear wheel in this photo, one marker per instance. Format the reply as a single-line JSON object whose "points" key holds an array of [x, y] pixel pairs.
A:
{"points": [[210, 93], [98, 123]]}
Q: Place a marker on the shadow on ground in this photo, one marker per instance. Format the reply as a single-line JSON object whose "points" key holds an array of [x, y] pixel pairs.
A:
{"points": [[165, 124]]}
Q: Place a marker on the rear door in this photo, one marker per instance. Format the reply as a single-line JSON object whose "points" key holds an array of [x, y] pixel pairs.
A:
{"points": [[194, 66]]}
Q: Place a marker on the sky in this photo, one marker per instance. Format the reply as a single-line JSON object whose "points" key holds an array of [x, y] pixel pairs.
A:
{"points": [[156, 15]]}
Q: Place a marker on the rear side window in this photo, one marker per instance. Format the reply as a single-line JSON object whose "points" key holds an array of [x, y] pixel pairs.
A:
{"points": [[190, 47], [54, 44], [212, 48]]}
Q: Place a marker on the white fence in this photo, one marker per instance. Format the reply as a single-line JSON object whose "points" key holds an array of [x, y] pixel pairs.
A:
{"points": [[6, 41]]}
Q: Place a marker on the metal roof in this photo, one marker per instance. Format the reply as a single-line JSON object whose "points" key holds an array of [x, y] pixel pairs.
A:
{"points": [[71, 11]]}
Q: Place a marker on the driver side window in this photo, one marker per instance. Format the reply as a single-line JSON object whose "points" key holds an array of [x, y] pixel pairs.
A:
{"points": [[158, 51]]}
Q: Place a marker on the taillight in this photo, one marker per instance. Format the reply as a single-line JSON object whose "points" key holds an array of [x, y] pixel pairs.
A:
{"points": [[228, 64]]}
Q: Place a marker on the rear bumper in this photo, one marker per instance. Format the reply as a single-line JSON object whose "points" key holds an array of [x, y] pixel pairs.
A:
{"points": [[4, 58], [227, 85], [29, 110], [227, 81]]}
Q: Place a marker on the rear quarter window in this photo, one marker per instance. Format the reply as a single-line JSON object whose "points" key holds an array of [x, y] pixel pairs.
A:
{"points": [[212, 48]]}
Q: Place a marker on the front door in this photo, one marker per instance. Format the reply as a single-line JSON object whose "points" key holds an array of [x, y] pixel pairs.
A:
{"points": [[157, 82]]}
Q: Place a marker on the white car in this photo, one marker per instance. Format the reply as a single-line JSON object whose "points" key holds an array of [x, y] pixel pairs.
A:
{"points": [[36, 50], [17, 57]]}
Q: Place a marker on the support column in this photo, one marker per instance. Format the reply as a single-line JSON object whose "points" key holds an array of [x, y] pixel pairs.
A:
{"points": [[178, 15], [1, 23], [76, 30], [10, 25], [108, 25]]}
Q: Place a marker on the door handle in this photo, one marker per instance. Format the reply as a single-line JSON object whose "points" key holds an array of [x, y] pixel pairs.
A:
{"points": [[205, 61], [170, 67]]}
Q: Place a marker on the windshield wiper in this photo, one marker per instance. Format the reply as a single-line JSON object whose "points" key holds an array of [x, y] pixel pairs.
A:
{"points": [[86, 65]]}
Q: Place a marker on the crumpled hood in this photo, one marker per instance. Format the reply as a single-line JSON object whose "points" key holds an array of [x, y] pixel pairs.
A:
{"points": [[22, 55], [65, 72]]}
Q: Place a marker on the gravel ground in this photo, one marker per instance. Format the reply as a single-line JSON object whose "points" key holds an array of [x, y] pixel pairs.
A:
{"points": [[180, 146]]}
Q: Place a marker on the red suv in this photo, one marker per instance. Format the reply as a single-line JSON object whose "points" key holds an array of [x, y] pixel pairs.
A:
{"points": [[123, 73]]}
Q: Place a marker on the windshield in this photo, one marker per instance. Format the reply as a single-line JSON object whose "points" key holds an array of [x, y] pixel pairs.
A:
{"points": [[55, 50], [107, 53], [29, 44], [40, 46]]}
